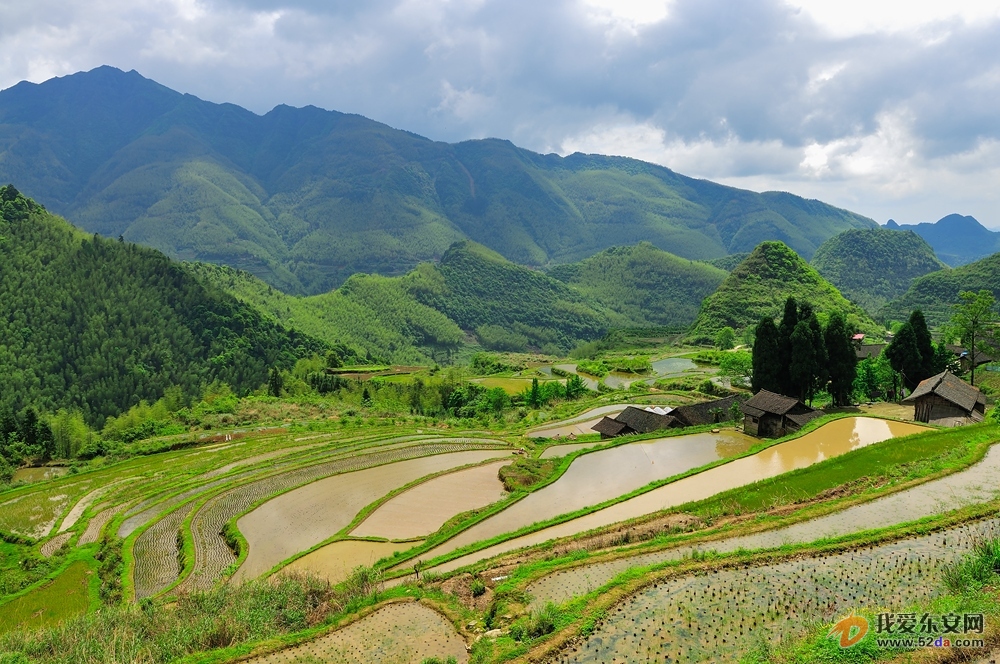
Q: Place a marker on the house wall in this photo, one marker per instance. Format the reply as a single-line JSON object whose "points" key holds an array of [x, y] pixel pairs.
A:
{"points": [[766, 426], [933, 407]]}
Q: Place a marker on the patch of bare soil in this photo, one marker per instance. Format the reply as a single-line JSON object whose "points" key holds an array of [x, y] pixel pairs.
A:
{"points": [[461, 587]]}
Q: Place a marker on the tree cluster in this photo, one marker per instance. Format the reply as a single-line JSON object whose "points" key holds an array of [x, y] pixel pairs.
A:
{"points": [[799, 357], [912, 353], [23, 437]]}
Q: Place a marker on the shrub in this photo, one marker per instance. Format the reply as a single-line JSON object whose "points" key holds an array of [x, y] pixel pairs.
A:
{"points": [[977, 569], [478, 588]]}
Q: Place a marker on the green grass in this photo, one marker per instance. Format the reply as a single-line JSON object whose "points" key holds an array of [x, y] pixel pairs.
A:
{"points": [[893, 460], [67, 595]]}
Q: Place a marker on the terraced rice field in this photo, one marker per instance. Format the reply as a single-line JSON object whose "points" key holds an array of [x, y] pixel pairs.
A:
{"points": [[49, 548], [64, 597], [300, 519], [830, 440], [35, 512], [420, 511], [97, 523], [399, 633], [157, 563], [977, 484], [336, 560], [719, 615]]}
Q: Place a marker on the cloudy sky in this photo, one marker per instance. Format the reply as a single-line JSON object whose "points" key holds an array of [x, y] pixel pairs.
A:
{"points": [[891, 109]]}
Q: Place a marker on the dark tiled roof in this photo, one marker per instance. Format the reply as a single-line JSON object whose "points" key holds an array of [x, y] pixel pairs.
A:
{"points": [[981, 357], [702, 413], [643, 421], [802, 418], [948, 386], [769, 402], [609, 427]]}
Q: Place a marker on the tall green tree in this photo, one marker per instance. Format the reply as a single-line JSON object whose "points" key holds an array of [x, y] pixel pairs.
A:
{"points": [[807, 360], [274, 382], [768, 362], [789, 320], [924, 344], [842, 360], [974, 320], [904, 356]]}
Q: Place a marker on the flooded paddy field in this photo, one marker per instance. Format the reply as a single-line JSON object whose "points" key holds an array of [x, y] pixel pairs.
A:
{"points": [[830, 440], [300, 519], [420, 511], [603, 475], [395, 634], [579, 424], [719, 615], [979, 483], [337, 560]]}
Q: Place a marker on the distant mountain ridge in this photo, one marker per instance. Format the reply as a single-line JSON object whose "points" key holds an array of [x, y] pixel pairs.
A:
{"points": [[304, 197], [956, 239]]}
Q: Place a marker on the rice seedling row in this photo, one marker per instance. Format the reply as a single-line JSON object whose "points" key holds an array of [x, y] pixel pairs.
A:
{"points": [[976, 484], [157, 563], [722, 614], [85, 502], [49, 548], [401, 632], [213, 555], [97, 522]]}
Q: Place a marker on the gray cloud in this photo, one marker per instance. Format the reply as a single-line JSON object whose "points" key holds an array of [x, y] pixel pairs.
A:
{"points": [[754, 93]]}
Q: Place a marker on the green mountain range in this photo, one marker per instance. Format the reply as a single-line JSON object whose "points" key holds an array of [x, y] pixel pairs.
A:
{"points": [[956, 239], [643, 284], [97, 324], [304, 197], [760, 285], [937, 292], [874, 265]]}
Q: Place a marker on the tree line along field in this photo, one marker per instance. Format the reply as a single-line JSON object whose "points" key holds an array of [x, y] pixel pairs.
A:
{"points": [[163, 532]]}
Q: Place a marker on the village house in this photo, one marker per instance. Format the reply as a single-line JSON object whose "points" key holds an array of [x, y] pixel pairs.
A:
{"points": [[770, 415], [654, 418], [947, 400]]}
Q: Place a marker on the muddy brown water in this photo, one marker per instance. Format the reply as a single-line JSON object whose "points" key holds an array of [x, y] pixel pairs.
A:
{"points": [[401, 633], [302, 518], [830, 440], [336, 560], [568, 448], [420, 511], [977, 484], [603, 475]]}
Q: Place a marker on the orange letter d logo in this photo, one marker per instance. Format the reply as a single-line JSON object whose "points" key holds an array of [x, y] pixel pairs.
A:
{"points": [[850, 629]]}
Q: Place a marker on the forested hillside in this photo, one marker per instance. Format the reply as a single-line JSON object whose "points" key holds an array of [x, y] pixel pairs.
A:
{"points": [[760, 285], [99, 324], [874, 265], [304, 198], [370, 316], [644, 284], [936, 292], [508, 306]]}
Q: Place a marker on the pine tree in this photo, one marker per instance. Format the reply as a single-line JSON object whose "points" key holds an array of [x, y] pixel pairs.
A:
{"points": [[802, 364], [924, 344], [904, 356], [274, 382], [841, 359], [534, 397], [768, 362], [366, 397], [789, 320]]}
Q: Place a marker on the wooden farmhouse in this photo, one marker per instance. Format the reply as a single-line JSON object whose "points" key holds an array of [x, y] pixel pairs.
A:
{"points": [[645, 420], [946, 400], [771, 415]]}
